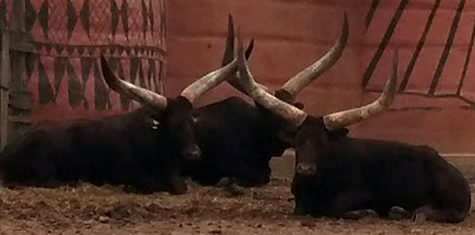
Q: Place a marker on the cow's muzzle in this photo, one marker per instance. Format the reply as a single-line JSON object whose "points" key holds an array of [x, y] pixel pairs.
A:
{"points": [[192, 153], [305, 169]]}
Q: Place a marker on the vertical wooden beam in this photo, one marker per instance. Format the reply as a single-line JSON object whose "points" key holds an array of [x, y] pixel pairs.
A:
{"points": [[19, 102], [17, 26], [18, 20], [4, 86]]}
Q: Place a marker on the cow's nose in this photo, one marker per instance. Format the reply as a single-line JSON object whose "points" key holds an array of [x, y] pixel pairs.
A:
{"points": [[306, 169], [193, 153]]}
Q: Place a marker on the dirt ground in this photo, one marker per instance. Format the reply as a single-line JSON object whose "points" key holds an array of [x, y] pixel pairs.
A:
{"points": [[204, 210]]}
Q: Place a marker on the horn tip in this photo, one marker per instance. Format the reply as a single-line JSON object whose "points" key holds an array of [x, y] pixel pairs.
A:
{"points": [[239, 35], [230, 20], [249, 49], [108, 74], [229, 43], [104, 65], [240, 44], [103, 59], [345, 29]]}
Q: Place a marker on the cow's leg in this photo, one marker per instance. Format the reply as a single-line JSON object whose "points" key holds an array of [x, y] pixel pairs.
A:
{"points": [[136, 180], [451, 198], [177, 185], [246, 176], [44, 171], [239, 168], [140, 183], [349, 205], [438, 215]]}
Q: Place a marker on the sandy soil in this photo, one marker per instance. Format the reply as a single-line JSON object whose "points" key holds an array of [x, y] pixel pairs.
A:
{"points": [[204, 210]]}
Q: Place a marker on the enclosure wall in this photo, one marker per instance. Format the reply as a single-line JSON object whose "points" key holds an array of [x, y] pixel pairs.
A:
{"points": [[55, 61], [434, 39]]}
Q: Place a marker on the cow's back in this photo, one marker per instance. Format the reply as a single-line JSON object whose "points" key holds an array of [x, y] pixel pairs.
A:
{"points": [[232, 117], [405, 175], [70, 150]]}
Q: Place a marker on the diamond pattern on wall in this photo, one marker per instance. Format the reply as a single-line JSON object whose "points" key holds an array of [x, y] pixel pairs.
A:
{"points": [[86, 65], [72, 17], [43, 17], [45, 91], [75, 89], [30, 15], [31, 60], [84, 16], [69, 36], [101, 91], [59, 63]]}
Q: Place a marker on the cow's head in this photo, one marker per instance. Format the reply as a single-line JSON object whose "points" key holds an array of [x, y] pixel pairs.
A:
{"points": [[275, 132], [173, 117], [313, 133]]}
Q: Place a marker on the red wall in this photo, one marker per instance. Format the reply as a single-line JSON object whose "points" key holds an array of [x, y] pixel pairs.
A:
{"points": [[63, 74], [292, 34]]}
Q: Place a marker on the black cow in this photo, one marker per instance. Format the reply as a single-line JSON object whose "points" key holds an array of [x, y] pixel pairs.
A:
{"points": [[237, 138], [339, 176], [143, 149]]}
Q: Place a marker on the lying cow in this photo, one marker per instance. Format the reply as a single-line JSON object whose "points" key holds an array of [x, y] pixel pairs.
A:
{"points": [[339, 176], [238, 138], [143, 149]]}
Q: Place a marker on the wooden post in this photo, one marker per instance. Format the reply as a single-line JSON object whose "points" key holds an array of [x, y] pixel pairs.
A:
{"points": [[19, 98], [17, 26], [4, 88]]}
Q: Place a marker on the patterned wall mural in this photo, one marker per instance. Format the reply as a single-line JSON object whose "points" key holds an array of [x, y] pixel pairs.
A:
{"points": [[69, 36], [437, 39]]}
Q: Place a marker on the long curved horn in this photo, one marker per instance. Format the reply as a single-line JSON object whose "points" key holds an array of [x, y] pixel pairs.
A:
{"points": [[344, 118], [229, 46], [137, 93], [207, 82], [290, 113], [229, 56], [296, 84]]}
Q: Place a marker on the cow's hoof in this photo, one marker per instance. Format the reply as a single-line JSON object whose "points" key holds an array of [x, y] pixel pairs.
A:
{"points": [[178, 187], [177, 190], [372, 214], [398, 213], [223, 182], [355, 215], [300, 211], [133, 190], [234, 190]]}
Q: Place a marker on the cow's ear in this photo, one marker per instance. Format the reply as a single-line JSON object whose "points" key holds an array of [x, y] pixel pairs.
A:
{"points": [[338, 133], [152, 122], [299, 105]]}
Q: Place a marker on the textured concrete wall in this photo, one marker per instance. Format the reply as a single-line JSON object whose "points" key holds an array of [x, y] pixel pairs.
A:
{"points": [[435, 35]]}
